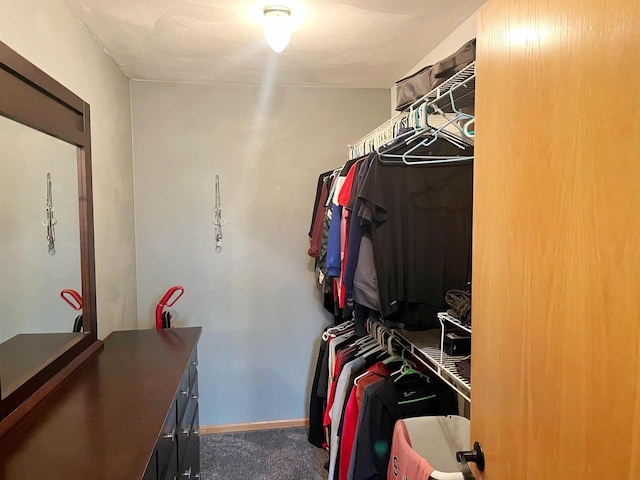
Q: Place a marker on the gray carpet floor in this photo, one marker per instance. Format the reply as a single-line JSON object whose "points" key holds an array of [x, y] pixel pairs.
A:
{"points": [[282, 454]]}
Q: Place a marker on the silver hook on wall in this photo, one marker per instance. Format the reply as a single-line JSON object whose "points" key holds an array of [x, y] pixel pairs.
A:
{"points": [[49, 220], [218, 221]]}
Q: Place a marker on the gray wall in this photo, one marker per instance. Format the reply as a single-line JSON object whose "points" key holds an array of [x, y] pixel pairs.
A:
{"points": [[256, 301], [48, 35]]}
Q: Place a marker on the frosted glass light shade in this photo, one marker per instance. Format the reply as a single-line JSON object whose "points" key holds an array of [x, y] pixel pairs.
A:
{"points": [[277, 27]]}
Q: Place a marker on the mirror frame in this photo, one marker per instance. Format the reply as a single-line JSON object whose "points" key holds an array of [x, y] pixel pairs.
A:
{"points": [[32, 98]]}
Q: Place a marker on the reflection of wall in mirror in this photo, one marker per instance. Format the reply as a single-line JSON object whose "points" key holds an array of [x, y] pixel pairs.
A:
{"points": [[30, 278]]}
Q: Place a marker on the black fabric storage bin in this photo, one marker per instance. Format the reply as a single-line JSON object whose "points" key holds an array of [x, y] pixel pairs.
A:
{"points": [[411, 88], [451, 65]]}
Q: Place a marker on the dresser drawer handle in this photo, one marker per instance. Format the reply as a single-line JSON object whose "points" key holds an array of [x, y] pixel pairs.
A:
{"points": [[187, 473], [195, 364], [171, 435], [184, 392], [186, 432], [196, 432], [195, 397]]}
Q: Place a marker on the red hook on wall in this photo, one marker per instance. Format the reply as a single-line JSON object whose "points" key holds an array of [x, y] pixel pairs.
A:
{"points": [[163, 319], [74, 300]]}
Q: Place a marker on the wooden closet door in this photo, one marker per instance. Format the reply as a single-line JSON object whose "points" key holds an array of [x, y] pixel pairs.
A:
{"points": [[556, 253]]}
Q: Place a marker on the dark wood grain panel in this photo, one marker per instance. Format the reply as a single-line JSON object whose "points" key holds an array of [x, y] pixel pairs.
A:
{"points": [[29, 73], [34, 108], [105, 422], [26, 354], [15, 416]]}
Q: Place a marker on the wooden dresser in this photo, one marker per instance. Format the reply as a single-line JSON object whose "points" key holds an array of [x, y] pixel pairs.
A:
{"points": [[130, 413]]}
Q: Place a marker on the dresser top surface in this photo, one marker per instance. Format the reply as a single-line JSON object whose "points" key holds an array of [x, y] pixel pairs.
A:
{"points": [[103, 423]]}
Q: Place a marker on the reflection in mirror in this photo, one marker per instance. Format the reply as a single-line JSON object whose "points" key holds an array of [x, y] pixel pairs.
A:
{"points": [[32, 277]]}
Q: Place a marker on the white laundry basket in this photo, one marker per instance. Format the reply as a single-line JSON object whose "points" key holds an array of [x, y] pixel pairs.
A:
{"points": [[437, 439]]}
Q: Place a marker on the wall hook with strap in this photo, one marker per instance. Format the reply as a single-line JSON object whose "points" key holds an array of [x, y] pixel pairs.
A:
{"points": [[49, 220], [218, 220]]}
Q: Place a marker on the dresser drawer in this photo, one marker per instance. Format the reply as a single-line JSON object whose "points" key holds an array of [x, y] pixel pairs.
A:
{"points": [[152, 468], [193, 368], [167, 447], [193, 388], [189, 445], [177, 453], [183, 396]]}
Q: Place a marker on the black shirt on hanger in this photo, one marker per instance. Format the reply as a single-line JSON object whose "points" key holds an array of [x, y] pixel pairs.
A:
{"points": [[420, 219], [317, 403]]}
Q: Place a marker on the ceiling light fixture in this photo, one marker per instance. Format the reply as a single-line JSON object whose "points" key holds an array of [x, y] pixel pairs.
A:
{"points": [[277, 26]]}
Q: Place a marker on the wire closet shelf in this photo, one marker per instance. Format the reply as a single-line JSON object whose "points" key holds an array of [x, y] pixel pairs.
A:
{"points": [[436, 360], [458, 89]]}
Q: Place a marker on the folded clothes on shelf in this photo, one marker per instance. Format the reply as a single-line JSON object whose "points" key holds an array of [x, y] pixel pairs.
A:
{"points": [[460, 303], [464, 369]]}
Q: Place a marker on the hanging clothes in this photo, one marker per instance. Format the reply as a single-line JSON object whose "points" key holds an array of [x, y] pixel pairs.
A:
{"points": [[316, 404], [375, 373], [319, 211], [391, 401], [420, 221], [320, 190], [331, 340], [347, 375], [343, 200], [319, 240], [362, 402], [355, 232]]}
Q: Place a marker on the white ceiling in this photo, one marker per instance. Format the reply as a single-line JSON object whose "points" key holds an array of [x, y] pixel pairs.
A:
{"points": [[345, 43]]}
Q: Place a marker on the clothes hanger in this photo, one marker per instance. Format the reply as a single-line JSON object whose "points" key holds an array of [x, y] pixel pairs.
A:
{"points": [[371, 343], [396, 142], [355, 380], [405, 361], [405, 371], [465, 128], [372, 346], [433, 159], [430, 137], [459, 115], [381, 331], [412, 387], [374, 350], [364, 340], [440, 129], [338, 329], [393, 356], [424, 159], [408, 368]]}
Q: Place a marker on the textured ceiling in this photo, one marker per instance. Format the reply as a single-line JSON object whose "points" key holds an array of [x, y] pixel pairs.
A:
{"points": [[347, 43]]}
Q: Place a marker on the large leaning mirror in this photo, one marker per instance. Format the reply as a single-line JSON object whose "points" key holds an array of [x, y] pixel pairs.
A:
{"points": [[47, 279], [39, 249]]}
